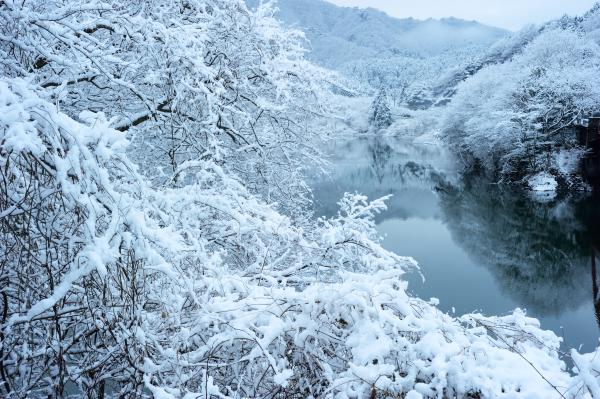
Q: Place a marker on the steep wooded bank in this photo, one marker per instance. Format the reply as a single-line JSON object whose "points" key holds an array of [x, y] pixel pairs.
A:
{"points": [[518, 114]]}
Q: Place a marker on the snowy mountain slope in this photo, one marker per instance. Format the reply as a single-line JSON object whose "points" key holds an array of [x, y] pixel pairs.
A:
{"points": [[338, 35], [506, 48]]}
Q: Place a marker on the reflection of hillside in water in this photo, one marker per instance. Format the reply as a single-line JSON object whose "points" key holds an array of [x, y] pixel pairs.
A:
{"points": [[538, 253], [377, 167]]}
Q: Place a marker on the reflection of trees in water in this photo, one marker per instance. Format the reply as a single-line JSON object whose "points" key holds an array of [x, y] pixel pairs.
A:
{"points": [[590, 212], [394, 165], [595, 291], [539, 253], [380, 154], [383, 166]]}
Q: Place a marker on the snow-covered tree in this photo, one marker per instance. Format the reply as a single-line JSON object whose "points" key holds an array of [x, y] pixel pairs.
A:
{"points": [[381, 115], [187, 80]]}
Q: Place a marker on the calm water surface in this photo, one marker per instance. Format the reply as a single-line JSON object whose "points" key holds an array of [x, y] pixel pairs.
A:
{"points": [[481, 247]]}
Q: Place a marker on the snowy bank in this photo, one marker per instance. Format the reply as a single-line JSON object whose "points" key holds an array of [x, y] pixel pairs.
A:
{"points": [[542, 182]]}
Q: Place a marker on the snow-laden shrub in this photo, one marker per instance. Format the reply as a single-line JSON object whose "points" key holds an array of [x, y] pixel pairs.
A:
{"points": [[587, 379], [363, 337], [70, 270], [90, 251]]}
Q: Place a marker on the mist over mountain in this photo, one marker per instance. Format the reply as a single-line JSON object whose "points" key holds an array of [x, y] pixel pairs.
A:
{"points": [[339, 35]]}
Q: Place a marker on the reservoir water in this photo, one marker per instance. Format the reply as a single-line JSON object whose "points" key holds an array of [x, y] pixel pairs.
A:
{"points": [[481, 247]]}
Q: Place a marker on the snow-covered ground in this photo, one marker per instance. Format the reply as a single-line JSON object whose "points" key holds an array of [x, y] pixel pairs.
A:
{"points": [[542, 182]]}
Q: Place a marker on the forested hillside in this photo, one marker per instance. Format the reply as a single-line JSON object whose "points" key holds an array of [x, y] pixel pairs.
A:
{"points": [[373, 49], [517, 114], [342, 35]]}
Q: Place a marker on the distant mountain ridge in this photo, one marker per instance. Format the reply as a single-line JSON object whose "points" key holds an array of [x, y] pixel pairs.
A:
{"points": [[339, 35]]}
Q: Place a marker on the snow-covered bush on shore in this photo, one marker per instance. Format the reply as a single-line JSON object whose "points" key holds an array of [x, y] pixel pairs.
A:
{"points": [[71, 274], [516, 118], [163, 268], [99, 269]]}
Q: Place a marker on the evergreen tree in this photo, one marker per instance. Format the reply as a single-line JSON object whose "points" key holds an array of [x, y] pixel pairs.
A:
{"points": [[381, 116]]}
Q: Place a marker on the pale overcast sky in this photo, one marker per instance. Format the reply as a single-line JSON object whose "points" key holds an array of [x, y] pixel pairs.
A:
{"points": [[509, 14]]}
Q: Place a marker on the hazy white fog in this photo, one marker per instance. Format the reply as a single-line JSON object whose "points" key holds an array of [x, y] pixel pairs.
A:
{"points": [[509, 14]]}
